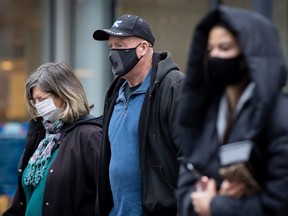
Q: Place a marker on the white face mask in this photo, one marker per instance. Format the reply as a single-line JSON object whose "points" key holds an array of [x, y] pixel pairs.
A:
{"points": [[48, 110]]}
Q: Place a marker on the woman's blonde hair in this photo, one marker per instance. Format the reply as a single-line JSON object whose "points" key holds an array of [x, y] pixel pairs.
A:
{"points": [[59, 80]]}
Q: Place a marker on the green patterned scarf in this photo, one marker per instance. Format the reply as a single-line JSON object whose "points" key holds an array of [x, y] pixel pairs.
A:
{"points": [[39, 160]]}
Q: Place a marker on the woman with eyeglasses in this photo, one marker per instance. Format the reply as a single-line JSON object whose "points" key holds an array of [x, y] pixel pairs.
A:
{"points": [[58, 169]]}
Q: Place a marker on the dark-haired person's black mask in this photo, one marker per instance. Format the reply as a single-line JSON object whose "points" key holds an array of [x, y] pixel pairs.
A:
{"points": [[221, 72], [123, 60]]}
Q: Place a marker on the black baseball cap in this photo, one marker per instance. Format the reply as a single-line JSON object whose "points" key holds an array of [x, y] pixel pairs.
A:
{"points": [[127, 25]]}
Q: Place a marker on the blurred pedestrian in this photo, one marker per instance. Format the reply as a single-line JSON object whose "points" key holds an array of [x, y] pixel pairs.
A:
{"points": [[233, 95], [139, 160], [58, 169]]}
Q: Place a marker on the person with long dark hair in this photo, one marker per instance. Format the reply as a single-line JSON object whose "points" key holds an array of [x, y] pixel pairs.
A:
{"points": [[233, 123]]}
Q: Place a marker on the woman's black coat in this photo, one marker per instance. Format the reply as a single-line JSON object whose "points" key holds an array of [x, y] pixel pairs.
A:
{"points": [[71, 183], [263, 119]]}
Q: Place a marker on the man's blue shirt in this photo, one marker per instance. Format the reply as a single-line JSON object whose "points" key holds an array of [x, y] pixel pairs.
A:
{"points": [[124, 170]]}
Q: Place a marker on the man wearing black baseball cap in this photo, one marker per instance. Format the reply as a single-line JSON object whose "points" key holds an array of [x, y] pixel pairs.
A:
{"points": [[139, 159], [127, 25]]}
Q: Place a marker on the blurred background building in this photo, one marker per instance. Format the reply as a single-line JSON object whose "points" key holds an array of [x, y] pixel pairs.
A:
{"points": [[33, 32]]}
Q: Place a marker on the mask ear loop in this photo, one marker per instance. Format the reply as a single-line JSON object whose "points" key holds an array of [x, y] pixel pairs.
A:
{"points": [[63, 108], [149, 45]]}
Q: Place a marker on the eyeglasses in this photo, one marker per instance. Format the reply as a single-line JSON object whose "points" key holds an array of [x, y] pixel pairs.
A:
{"points": [[39, 99]]}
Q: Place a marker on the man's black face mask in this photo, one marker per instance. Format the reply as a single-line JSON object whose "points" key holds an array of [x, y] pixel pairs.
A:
{"points": [[123, 60]]}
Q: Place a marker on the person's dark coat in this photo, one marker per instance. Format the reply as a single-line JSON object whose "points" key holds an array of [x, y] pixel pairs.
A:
{"points": [[263, 119], [71, 184], [158, 153]]}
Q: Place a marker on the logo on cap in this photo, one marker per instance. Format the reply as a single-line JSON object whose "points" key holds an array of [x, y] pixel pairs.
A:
{"points": [[117, 23]]}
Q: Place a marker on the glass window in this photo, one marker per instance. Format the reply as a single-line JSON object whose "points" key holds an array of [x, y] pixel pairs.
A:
{"points": [[21, 39], [280, 18], [238, 3]]}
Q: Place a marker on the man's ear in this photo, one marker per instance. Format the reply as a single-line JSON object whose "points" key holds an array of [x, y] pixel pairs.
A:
{"points": [[144, 47]]}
